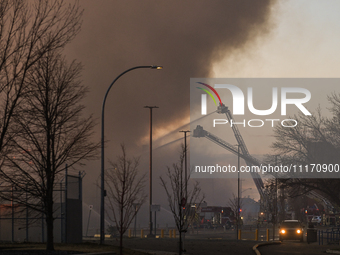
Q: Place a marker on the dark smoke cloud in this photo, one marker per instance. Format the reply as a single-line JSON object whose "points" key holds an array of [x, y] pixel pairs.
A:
{"points": [[186, 37]]}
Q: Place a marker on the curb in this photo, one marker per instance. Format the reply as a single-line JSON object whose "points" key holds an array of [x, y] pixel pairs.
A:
{"points": [[151, 252], [262, 244], [332, 251], [98, 253]]}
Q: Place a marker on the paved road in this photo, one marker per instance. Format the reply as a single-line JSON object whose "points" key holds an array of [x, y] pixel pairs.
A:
{"points": [[226, 247], [193, 246], [205, 242], [220, 242], [295, 247]]}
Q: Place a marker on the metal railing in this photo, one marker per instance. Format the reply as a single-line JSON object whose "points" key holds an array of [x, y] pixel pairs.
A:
{"points": [[332, 236]]}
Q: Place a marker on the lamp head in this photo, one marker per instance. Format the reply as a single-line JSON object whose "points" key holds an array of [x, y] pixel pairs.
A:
{"points": [[157, 67]]}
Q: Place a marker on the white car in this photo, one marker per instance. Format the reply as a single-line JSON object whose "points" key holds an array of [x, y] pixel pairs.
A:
{"points": [[291, 230], [316, 219]]}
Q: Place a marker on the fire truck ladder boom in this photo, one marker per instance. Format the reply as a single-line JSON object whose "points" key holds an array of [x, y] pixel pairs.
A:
{"points": [[224, 109], [257, 179], [251, 161], [325, 201]]}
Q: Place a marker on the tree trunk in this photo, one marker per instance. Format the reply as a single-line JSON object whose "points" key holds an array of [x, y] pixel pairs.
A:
{"points": [[49, 213], [121, 244], [180, 229], [121, 225], [180, 241], [49, 224]]}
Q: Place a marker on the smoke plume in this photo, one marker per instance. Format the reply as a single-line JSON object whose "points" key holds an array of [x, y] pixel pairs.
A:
{"points": [[186, 37]]}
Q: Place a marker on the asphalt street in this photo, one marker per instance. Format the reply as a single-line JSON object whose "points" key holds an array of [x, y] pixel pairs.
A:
{"points": [[296, 247], [218, 242]]}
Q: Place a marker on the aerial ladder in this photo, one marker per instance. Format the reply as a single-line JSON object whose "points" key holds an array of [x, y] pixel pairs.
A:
{"points": [[222, 109], [250, 161]]}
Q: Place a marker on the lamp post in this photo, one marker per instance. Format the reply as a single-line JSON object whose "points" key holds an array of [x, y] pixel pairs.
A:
{"points": [[275, 202], [150, 173], [185, 162], [103, 191], [186, 182], [136, 206], [238, 190]]}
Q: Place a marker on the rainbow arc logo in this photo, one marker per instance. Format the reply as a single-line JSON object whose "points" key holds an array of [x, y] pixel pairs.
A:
{"points": [[204, 97]]}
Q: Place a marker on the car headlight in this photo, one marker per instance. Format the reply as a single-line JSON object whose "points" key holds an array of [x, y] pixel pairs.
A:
{"points": [[283, 231], [298, 231]]}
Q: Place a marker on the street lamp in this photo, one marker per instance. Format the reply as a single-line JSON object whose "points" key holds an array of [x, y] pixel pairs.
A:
{"points": [[275, 201], [136, 206], [185, 162], [186, 184], [150, 174], [103, 191], [238, 190]]}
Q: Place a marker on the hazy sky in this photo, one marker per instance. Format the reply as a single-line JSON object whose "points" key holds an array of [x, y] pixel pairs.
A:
{"points": [[304, 44], [190, 39]]}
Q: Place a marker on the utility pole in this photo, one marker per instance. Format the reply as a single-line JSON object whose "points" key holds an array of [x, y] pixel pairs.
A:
{"points": [[150, 173], [136, 205], [185, 162], [186, 181], [238, 190], [275, 202]]}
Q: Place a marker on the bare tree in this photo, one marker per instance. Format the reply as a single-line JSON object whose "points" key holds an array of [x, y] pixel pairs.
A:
{"points": [[315, 140], [183, 208], [234, 204], [125, 188], [28, 31], [269, 206], [49, 132]]}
